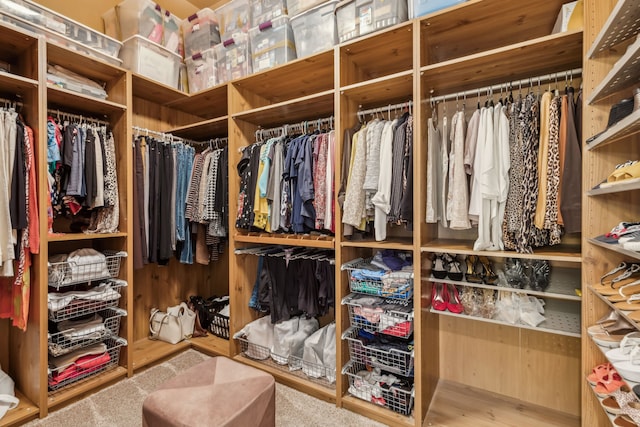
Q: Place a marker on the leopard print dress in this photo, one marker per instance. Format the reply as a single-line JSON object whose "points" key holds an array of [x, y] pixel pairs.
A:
{"points": [[553, 175], [513, 206]]}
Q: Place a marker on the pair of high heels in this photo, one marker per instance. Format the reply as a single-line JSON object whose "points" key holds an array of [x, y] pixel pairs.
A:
{"points": [[532, 273], [480, 270], [446, 266], [445, 296]]}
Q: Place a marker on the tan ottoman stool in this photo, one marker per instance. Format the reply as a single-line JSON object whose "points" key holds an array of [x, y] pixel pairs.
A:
{"points": [[216, 392]]}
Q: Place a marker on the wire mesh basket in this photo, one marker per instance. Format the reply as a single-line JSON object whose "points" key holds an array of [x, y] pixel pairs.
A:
{"points": [[86, 367], [314, 372], [72, 304], [67, 273], [388, 287], [219, 325], [365, 387], [72, 337], [379, 317], [393, 360]]}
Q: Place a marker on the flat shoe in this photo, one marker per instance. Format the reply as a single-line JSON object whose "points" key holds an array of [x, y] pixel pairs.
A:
{"points": [[620, 324], [610, 340]]}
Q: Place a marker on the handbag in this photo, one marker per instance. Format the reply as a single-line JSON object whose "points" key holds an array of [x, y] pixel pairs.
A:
{"points": [[8, 400], [173, 326]]}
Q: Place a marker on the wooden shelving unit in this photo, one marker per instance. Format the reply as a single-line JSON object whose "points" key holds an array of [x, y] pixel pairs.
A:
{"points": [[615, 247], [565, 252], [147, 352], [624, 74], [83, 387], [622, 24], [626, 127]]}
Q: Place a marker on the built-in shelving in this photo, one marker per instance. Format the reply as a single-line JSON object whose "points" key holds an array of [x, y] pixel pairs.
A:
{"points": [[147, 351], [212, 345], [154, 91], [208, 104], [624, 314], [312, 241], [615, 247], [622, 24], [625, 128], [78, 102], [617, 188], [377, 92], [203, 130], [398, 243], [624, 74], [25, 411], [610, 416], [72, 237], [15, 84], [80, 388]]}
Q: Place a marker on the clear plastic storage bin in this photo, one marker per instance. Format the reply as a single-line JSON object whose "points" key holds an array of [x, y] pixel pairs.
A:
{"points": [[272, 44], [56, 23], [389, 12], [298, 6], [235, 17], [151, 60], [423, 7], [171, 38], [233, 58], [201, 70], [266, 10], [359, 17], [200, 31], [140, 17], [315, 30]]}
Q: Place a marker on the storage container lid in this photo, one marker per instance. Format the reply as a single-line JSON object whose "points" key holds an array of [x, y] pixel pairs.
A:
{"points": [[137, 38]]}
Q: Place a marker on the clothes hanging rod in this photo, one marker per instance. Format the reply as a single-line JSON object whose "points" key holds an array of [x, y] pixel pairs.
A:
{"points": [[11, 102], [302, 126], [385, 108], [79, 117], [510, 85], [174, 138]]}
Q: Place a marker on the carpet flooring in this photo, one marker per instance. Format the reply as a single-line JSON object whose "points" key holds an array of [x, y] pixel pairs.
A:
{"points": [[120, 405]]}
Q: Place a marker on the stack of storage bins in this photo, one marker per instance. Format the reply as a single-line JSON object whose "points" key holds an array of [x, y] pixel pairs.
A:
{"points": [[201, 32], [151, 39], [356, 18], [314, 30], [233, 57], [271, 35]]}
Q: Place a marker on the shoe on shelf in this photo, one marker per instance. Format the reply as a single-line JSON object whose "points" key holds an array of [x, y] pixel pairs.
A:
{"points": [[632, 243], [630, 369], [453, 303], [631, 274], [625, 292], [439, 268], [609, 383], [439, 296], [611, 328], [490, 278], [605, 280], [599, 372], [539, 271], [631, 304], [474, 270], [453, 268], [629, 415], [611, 339], [617, 400], [515, 274]]}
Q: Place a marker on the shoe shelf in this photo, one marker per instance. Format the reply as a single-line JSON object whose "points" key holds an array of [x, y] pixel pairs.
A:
{"points": [[563, 252], [563, 283], [625, 73], [562, 318], [626, 127], [308, 240], [622, 24], [618, 188], [398, 243], [624, 314], [615, 247], [604, 351], [600, 399]]}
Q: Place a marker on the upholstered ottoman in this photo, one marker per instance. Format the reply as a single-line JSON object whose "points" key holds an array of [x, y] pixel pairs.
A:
{"points": [[217, 392]]}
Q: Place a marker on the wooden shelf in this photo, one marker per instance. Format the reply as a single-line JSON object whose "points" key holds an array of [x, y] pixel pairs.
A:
{"points": [[562, 285], [617, 188], [376, 412], [377, 54], [212, 345], [548, 54], [567, 253], [622, 24], [79, 103], [153, 91], [85, 65], [399, 243], [306, 108], [624, 314], [25, 411], [206, 129], [296, 79], [15, 40], [610, 416], [14, 84], [383, 90], [307, 240], [146, 351], [208, 104], [624, 74], [626, 127], [562, 318], [71, 237], [89, 385], [477, 26], [295, 379], [615, 247]]}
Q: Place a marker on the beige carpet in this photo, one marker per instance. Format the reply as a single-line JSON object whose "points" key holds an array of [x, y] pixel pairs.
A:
{"points": [[120, 405]]}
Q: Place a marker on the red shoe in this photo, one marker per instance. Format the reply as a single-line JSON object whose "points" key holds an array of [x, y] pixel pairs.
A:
{"points": [[439, 296], [453, 301]]}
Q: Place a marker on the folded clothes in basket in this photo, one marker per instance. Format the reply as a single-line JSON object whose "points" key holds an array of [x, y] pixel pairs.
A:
{"points": [[80, 265], [102, 292], [83, 366], [376, 386], [56, 363], [82, 328]]}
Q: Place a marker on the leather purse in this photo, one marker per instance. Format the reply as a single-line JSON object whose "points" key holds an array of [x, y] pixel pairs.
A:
{"points": [[173, 326], [8, 400]]}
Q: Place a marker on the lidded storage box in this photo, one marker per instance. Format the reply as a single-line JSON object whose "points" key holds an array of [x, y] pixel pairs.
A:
{"points": [[171, 38], [233, 58], [200, 32], [315, 30], [359, 17], [389, 12], [422, 7], [141, 17], [272, 44], [266, 10], [201, 70], [151, 60], [298, 6], [235, 17]]}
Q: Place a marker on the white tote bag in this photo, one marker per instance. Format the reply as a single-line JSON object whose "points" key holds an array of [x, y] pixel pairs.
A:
{"points": [[8, 400]]}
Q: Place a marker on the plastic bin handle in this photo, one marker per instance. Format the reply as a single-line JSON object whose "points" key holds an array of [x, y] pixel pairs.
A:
{"points": [[265, 25], [228, 42]]}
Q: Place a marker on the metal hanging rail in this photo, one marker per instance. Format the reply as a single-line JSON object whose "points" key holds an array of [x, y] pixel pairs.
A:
{"points": [[78, 117], [510, 85], [218, 142], [385, 109], [300, 127]]}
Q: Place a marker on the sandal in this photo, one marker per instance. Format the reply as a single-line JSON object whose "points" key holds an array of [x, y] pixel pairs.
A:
{"points": [[629, 276], [629, 415], [605, 280], [439, 269], [609, 384], [453, 268], [490, 277], [631, 304], [625, 292], [514, 273], [473, 275], [598, 373], [618, 400], [620, 324]]}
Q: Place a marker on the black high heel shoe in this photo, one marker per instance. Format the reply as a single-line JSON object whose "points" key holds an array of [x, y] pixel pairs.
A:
{"points": [[453, 268], [439, 268]]}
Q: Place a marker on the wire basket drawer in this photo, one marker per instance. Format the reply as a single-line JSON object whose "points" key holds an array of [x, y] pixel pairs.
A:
{"points": [[67, 273], [219, 325], [393, 360], [312, 370], [77, 371], [379, 315], [69, 339], [68, 305], [388, 286], [364, 387]]}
